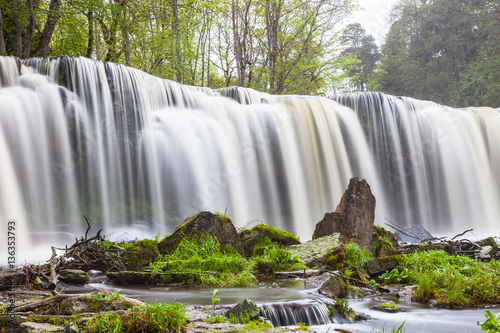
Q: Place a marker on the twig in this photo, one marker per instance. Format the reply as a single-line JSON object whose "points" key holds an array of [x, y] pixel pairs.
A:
{"points": [[348, 278], [463, 233], [88, 228]]}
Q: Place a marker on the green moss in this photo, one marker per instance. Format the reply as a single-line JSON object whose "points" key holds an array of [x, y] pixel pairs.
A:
{"points": [[276, 234], [336, 262], [384, 242]]}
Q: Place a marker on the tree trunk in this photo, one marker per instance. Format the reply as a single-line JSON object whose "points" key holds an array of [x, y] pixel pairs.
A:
{"points": [[90, 44], [2, 39], [28, 38], [18, 45], [177, 41], [52, 17]]}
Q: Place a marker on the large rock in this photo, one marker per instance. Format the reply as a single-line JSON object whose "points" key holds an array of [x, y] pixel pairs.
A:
{"points": [[354, 216], [334, 287], [31, 327], [325, 251], [246, 309], [75, 276], [219, 227], [381, 265], [251, 237]]}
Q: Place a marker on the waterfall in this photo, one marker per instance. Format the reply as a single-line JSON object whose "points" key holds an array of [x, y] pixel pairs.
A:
{"points": [[439, 167], [136, 152]]}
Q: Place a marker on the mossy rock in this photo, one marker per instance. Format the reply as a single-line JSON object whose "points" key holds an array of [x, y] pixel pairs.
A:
{"points": [[75, 276], [384, 242], [82, 304], [219, 226], [490, 241], [137, 278], [251, 238], [334, 287], [383, 264], [318, 253], [136, 254], [30, 327]]}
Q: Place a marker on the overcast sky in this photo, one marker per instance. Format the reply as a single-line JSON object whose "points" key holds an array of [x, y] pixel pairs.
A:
{"points": [[374, 17]]}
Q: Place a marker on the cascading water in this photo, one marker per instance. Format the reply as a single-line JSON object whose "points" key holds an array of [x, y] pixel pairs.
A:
{"points": [[439, 167], [131, 150], [122, 147]]}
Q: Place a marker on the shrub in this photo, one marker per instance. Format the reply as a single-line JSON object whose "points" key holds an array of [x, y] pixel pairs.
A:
{"points": [[276, 259], [453, 281], [356, 256], [204, 258], [155, 317], [491, 323]]}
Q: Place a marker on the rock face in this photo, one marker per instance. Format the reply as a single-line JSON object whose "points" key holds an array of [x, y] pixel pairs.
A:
{"points": [[251, 237], [334, 287], [219, 227], [243, 309], [354, 216], [325, 251]]}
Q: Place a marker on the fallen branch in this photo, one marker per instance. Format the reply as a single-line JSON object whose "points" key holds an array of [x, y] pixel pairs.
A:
{"points": [[54, 277], [463, 233], [48, 301]]}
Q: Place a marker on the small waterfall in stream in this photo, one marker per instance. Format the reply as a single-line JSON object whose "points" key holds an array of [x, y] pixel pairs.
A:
{"points": [[130, 150], [288, 314]]}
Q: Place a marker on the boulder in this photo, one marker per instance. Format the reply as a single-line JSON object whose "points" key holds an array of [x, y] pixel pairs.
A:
{"points": [[220, 227], [31, 327], [325, 251], [490, 241], [81, 304], [354, 216], [380, 265], [252, 237], [334, 287], [246, 309], [10, 278], [75, 276]]}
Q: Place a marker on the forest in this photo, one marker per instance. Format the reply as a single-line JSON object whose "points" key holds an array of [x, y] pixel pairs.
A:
{"points": [[447, 51]]}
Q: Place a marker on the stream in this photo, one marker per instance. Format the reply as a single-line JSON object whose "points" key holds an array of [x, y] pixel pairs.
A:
{"points": [[296, 300]]}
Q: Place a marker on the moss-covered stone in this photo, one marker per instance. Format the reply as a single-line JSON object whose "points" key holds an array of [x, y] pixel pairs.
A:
{"points": [[252, 238], [81, 304], [324, 251], [219, 227], [132, 278], [31, 327], [380, 265], [75, 276], [334, 287], [490, 241], [384, 242]]}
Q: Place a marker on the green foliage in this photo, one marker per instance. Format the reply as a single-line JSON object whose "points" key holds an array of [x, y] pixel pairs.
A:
{"points": [[109, 296], [157, 317], [204, 258], [255, 326], [442, 51], [399, 329], [491, 324], [390, 305], [453, 281], [356, 256], [219, 318], [276, 259], [341, 306], [215, 300]]}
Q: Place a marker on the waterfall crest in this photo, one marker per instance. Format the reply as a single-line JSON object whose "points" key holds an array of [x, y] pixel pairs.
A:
{"points": [[127, 149]]}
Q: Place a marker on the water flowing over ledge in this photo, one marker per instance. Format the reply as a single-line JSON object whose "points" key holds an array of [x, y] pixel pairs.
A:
{"points": [[133, 151]]}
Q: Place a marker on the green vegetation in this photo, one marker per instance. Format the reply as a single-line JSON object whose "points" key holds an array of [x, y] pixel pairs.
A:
{"points": [[155, 317], [109, 296], [341, 306], [454, 281], [390, 305], [399, 329], [491, 324], [210, 266], [276, 259], [254, 326], [215, 300], [138, 253], [205, 259], [356, 256], [219, 318], [442, 51]]}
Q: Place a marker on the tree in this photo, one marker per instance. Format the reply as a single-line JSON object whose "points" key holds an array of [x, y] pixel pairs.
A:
{"points": [[362, 47]]}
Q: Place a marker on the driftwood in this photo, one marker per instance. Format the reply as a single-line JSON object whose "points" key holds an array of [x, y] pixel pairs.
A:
{"points": [[56, 299]]}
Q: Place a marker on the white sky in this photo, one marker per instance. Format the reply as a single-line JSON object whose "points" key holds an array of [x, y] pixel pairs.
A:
{"points": [[374, 17]]}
